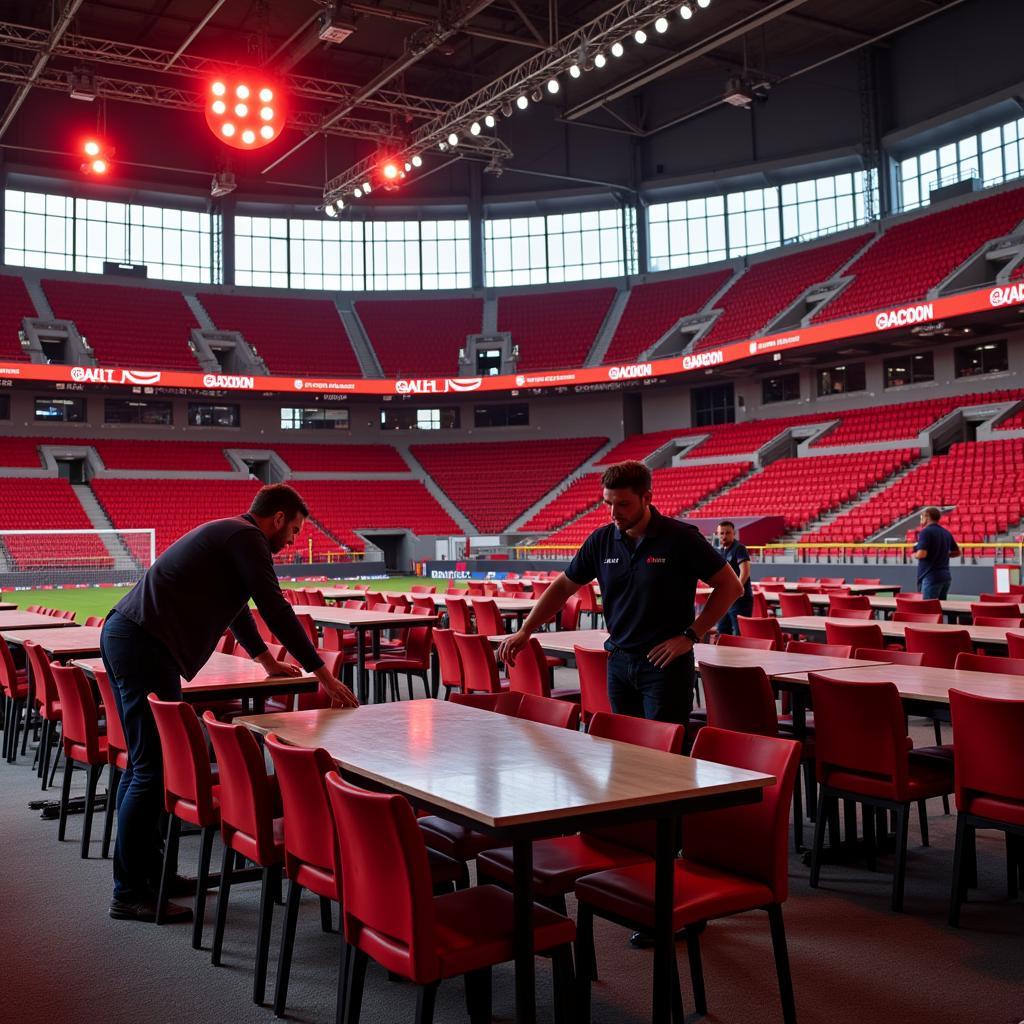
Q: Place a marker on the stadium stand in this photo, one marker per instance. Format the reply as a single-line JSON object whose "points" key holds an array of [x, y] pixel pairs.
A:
{"points": [[420, 337], [48, 504], [341, 458], [654, 308], [582, 494], [804, 489], [554, 329], [176, 456], [15, 305], [140, 327], [494, 481], [916, 255], [22, 452], [768, 287], [301, 336]]}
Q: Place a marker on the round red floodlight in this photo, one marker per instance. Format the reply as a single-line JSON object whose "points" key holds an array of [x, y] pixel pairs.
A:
{"points": [[390, 171], [91, 148], [233, 115], [99, 166]]}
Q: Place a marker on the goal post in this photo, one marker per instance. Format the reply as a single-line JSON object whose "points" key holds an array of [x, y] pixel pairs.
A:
{"points": [[55, 558]]}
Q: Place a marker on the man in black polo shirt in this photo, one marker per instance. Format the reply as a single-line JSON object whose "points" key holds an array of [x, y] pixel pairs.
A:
{"points": [[934, 546], [739, 559], [167, 627], [648, 566]]}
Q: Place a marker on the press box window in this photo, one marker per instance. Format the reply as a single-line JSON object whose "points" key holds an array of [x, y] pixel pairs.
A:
{"points": [[974, 360], [404, 418], [838, 380], [916, 369], [60, 410], [314, 418], [136, 410], [784, 388], [511, 414], [207, 414]]}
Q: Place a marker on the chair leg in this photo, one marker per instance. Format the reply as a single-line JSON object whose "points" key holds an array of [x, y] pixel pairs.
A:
{"points": [[113, 781], [700, 999], [958, 888], [357, 976], [478, 995], [1012, 866], [326, 920], [811, 790], [782, 963], [819, 839], [902, 821], [271, 878], [868, 821], [43, 753], [223, 893], [798, 815], [169, 862], [344, 963], [65, 796], [584, 959], [426, 996], [922, 817], [565, 985], [284, 960], [56, 761], [202, 881]]}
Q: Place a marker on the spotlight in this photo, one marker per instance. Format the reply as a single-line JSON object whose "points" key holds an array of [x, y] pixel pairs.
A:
{"points": [[358, 193], [366, 188], [600, 60], [661, 26], [267, 132], [686, 12], [442, 145], [233, 101], [218, 106], [522, 102], [267, 113], [703, 4], [417, 161], [640, 36], [218, 88], [408, 167], [331, 210], [390, 171], [266, 95], [618, 49], [91, 148], [242, 92], [241, 110], [248, 136], [474, 128], [227, 129], [574, 71], [99, 166], [490, 121], [536, 95], [453, 139], [506, 109], [553, 86]]}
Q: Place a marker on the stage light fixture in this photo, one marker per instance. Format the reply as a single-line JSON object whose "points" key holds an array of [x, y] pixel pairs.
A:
{"points": [[453, 139], [490, 121], [536, 95], [442, 145], [686, 12], [703, 4], [522, 102], [218, 88], [553, 86], [266, 95], [227, 129], [366, 188], [91, 148], [661, 26], [618, 49], [241, 110], [408, 168], [358, 193], [99, 166], [640, 36], [242, 91], [574, 71], [248, 136], [267, 132], [474, 128], [331, 210], [600, 60], [218, 106], [417, 161], [390, 171], [506, 108], [266, 113], [251, 126]]}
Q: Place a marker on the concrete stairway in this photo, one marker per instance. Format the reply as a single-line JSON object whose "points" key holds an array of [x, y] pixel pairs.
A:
{"points": [[111, 541]]}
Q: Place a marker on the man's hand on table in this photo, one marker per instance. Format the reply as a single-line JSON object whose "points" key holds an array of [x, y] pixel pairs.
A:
{"points": [[280, 668]]}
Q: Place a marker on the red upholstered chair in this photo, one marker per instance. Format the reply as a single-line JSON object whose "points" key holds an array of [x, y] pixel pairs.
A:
{"points": [[248, 829], [984, 663], [865, 579], [479, 668], [906, 603], [734, 860], [190, 795], [548, 711], [422, 588], [226, 644], [856, 634], [754, 643], [390, 914], [14, 683], [319, 698], [592, 667], [48, 704], [939, 647], [838, 603], [424, 606], [306, 622], [821, 650], [448, 661], [117, 752], [888, 656], [95, 620], [488, 619], [864, 755], [1006, 610], [795, 604], [262, 628], [313, 596], [759, 607], [414, 661], [83, 744], [1015, 645], [531, 673], [922, 618], [863, 614], [458, 615], [1001, 598], [764, 629], [506, 703], [989, 785], [1001, 623]]}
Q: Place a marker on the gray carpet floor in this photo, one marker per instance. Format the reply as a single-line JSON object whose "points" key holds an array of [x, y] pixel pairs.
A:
{"points": [[63, 959]]}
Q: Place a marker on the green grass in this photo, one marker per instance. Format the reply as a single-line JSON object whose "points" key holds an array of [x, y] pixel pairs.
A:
{"points": [[98, 601]]}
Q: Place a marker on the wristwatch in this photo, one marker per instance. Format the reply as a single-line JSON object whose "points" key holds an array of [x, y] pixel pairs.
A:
{"points": [[691, 635]]}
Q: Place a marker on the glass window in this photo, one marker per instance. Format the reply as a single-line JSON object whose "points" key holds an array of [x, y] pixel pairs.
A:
{"points": [[713, 404], [987, 357], [314, 418], [784, 387], [838, 380], [137, 410], [404, 417], [904, 370], [60, 410], [210, 414], [508, 414]]}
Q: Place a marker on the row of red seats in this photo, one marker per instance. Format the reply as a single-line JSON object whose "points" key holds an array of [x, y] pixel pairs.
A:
{"points": [[580, 495], [340, 458], [15, 305]]}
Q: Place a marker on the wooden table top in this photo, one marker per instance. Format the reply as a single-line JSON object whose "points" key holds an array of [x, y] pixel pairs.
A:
{"points": [[775, 663], [31, 620], [499, 771], [992, 636], [8, 606], [888, 604], [362, 617], [341, 593], [58, 641], [918, 682], [225, 675], [563, 641]]}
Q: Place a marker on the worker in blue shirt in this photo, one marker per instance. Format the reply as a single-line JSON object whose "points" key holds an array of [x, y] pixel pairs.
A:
{"points": [[934, 546], [648, 566], [739, 560]]}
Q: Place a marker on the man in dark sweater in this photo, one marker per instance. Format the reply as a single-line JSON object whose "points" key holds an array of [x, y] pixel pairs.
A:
{"points": [[167, 627]]}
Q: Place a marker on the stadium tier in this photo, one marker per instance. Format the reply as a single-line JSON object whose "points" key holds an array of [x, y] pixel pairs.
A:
{"points": [[653, 309], [177, 456], [15, 305], [341, 458], [916, 255], [495, 482], [21, 452], [765, 290], [143, 327], [555, 328], [420, 337], [301, 336]]}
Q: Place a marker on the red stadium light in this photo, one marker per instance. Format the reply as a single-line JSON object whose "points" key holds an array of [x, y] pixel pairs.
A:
{"points": [[97, 157], [390, 171], [244, 109]]}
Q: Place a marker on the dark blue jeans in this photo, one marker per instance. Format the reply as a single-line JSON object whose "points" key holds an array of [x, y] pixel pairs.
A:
{"points": [[728, 622], [935, 589], [138, 665], [638, 688]]}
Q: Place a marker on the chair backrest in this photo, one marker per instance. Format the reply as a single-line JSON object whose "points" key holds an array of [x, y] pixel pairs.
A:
{"points": [[856, 634], [848, 602], [968, 662], [8, 670], [739, 698], [753, 643], [1000, 623], [1006, 610], [488, 619], [292, 595], [42, 677], [371, 598], [422, 588], [314, 597], [418, 645], [504, 703], [424, 605], [759, 607], [226, 644], [795, 604], [262, 628], [479, 669], [79, 714], [309, 834], [334, 662], [95, 620], [563, 714], [116, 742], [448, 661], [246, 792], [989, 766], [530, 673], [765, 629], [864, 614], [306, 622], [643, 732], [398, 601], [1015, 644], [929, 618], [387, 902], [889, 657], [859, 730], [188, 780], [570, 614], [458, 615], [821, 650], [537, 587], [906, 603], [998, 598], [939, 647], [866, 579], [592, 666], [751, 840], [588, 597]]}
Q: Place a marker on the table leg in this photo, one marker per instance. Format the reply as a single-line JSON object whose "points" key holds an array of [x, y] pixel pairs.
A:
{"points": [[361, 665], [522, 894], [435, 674], [664, 941]]}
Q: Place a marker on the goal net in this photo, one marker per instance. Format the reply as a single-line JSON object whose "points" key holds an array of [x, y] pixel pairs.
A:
{"points": [[55, 558]]}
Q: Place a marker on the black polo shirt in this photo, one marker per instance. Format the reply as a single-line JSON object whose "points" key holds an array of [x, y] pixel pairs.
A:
{"points": [[736, 554], [648, 590]]}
